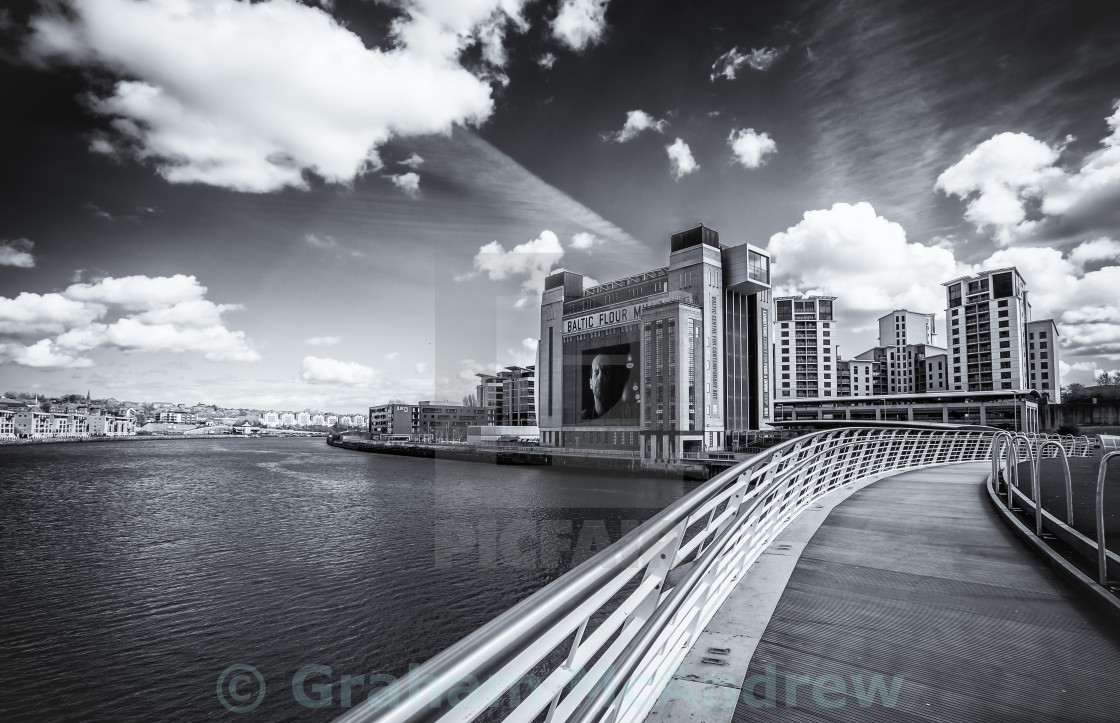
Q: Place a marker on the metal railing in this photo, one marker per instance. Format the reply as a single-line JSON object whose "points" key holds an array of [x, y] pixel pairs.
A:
{"points": [[602, 641], [1007, 452]]}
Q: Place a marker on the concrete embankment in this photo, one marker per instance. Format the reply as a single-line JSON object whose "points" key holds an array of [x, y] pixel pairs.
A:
{"points": [[528, 456]]}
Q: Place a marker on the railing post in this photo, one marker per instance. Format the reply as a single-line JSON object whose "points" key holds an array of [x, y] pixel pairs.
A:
{"points": [[1102, 550], [1036, 475]]}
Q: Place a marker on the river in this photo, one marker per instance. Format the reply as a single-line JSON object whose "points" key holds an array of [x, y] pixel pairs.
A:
{"points": [[136, 575]]}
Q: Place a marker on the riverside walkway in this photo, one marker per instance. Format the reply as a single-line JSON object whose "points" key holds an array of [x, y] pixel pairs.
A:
{"points": [[913, 601]]}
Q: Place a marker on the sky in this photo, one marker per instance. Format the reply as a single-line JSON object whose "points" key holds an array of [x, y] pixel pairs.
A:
{"points": [[327, 205]]}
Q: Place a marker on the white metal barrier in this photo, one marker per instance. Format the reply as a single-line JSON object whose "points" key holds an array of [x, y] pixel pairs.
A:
{"points": [[1007, 446], [1074, 446], [602, 641]]}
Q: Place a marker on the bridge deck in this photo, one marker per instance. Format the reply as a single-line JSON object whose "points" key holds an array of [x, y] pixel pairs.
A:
{"points": [[915, 576], [913, 601]]}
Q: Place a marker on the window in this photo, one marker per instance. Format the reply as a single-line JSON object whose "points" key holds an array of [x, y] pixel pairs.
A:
{"points": [[1005, 344], [1044, 365], [1005, 375], [1042, 335], [1003, 303], [956, 379], [1004, 324], [1003, 313], [1005, 355], [1041, 345]]}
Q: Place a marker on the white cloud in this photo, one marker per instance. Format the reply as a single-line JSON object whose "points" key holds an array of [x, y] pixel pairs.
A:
{"points": [[320, 242], [1012, 183], [762, 58], [532, 259], [31, 313], [580, 23], [421, 367], [585, 240], [139, 293], [42, 354], [636, 122], [998, 178], [133, 334], [1101, 249], [413, 161], [407, 182], [681, 161], [166, 313], [546, 61], [850, 252], [727, 65], [333, 371], [17, 253], [751, 149], [323, 341], [250, 96], [392, 355]]}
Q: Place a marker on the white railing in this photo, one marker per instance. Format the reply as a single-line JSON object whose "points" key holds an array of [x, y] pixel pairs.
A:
{"points": [[1007, 445], [602, 641], [1074, 446]]}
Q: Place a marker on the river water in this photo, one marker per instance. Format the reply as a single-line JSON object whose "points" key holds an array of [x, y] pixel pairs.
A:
{"points": [[134, 575]]}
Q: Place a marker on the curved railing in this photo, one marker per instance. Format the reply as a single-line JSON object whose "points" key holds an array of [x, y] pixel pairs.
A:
{"points": [[601, 642], [1007, 452]]}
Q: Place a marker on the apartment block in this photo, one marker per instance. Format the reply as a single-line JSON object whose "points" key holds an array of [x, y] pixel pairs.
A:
{"points": [[803, 347]]}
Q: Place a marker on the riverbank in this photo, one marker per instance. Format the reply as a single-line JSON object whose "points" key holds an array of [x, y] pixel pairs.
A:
{"points": [[631, 466], [149, 437]]}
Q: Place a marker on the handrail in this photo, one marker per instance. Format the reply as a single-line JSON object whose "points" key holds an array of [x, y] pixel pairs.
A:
{"points": [[1036, 483], [1016, 439], [1102, 551], [710, 537]]}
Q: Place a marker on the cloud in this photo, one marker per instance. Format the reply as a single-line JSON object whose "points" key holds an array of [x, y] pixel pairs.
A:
{"points": [[139, 292], [323, 341], [392, 355], [31, 313], [166, 313], [333, 371], [532, 259], [546, 61], [42, 354], [413, 161], [636, 122], [727, 65], [1012, 183], [320, 242], [17, 253], [850, 252], [420, 367], [1101, 249], [998, 178], [273, 89], [580, 23], [680, 159], [585, 240], [407, 182], [751, 149]]}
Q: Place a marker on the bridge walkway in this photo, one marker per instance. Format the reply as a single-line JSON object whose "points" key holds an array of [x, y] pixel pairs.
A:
{"points": [[915, 582]]}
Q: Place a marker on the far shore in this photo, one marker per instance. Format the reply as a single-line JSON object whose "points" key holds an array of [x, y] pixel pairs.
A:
{"points": [[153, 437]]}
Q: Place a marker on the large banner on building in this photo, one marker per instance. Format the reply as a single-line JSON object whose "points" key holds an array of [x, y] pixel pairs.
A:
{"points": [[601, 379]]}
